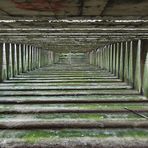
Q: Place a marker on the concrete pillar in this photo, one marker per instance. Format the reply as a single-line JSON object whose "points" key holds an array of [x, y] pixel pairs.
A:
{"points": [[20, 58], [30, 58], [24, 58], [132, 61], [126, 62], [131, 65], [39, 57], [7, 58], [138, 76], [145, 77], [98, 58], [91, 58], [111, 59], [3, 62], [15, 61], [117, 59], [27, 57], [108, 57], [52, 56], [144, 67], [121, 71], [114, 58], [101, 61], [10, 66], [36, 57], [33, 58]]}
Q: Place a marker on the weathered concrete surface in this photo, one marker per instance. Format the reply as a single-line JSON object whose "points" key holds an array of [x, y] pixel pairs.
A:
{"points": [[77, 143], [145, 78]]}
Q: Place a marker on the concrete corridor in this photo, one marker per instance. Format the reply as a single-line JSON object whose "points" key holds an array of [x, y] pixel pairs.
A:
{"points": [[70, 101], [73, 73]]}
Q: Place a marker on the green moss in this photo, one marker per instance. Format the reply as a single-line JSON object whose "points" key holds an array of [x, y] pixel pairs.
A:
{"points": [[33, 136], [83, 106], [71, 116]]}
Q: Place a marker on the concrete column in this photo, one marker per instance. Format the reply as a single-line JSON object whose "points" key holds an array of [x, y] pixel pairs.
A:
{"points": [[132, 62], [36, 56], [39, 58], [104, 57], [3, 62], [33, 58], [27, 58], [131, 74], [96, 58], [138, 76], [7, 58], [15, 64], [121, 71], [144, 67], [91, 57], [114, 58], [52, 56], [24, 58], [108, 57], [103, 60], [20, 58], [111, 59], [30, 58], [117, 59], [126, 62], [10, 66], [145, 77]]}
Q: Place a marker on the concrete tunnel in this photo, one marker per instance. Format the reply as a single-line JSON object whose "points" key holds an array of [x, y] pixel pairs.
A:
{"points": [[73, 73]]}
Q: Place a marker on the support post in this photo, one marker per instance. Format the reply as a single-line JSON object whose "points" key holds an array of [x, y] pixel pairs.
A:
{"points": [[145, 77], [117, 59], [10, 66], [138, 77], [122, 61], [114, 58], [24, 58], [126, 62], [20, 58], [3, 62]]}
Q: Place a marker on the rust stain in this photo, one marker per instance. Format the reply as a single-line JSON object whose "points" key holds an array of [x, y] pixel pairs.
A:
{"points": [[40, 5]]}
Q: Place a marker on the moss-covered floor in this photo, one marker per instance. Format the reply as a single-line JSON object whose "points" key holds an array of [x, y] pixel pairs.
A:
{"points": [[40, 95]]}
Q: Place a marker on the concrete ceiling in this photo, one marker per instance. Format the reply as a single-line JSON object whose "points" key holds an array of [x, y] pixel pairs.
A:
{"points": [[72, 25]]}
